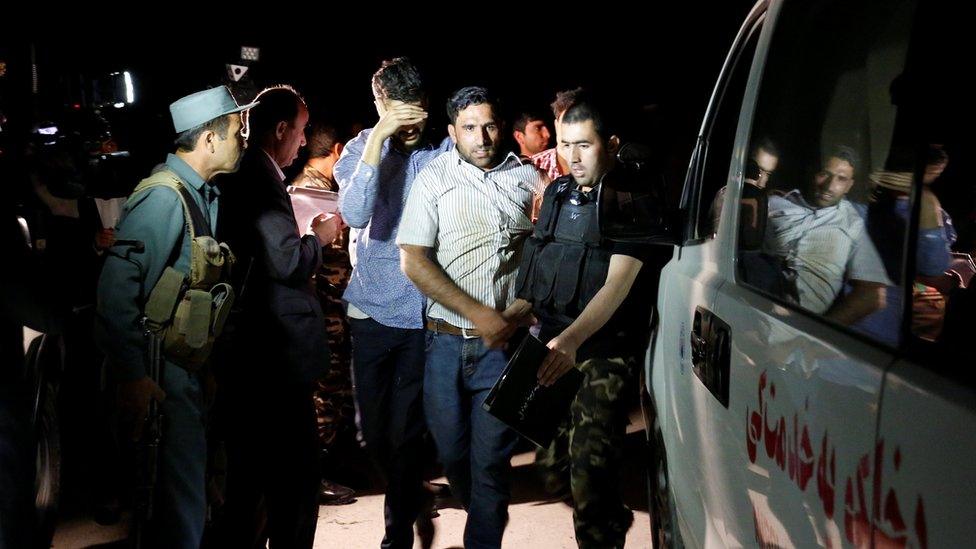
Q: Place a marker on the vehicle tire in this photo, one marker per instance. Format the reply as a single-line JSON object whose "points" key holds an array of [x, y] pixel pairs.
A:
{"points": [[43, 356], [47, 483], [664, 524]]}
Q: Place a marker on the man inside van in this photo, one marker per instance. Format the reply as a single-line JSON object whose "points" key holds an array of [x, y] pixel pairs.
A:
{"points": [[596, 320], [762, 163], [822, 243]]}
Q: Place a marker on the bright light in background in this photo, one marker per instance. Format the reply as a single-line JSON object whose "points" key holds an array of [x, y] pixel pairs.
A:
{"points": [[130, 92], [250, 53], [118, 105]]}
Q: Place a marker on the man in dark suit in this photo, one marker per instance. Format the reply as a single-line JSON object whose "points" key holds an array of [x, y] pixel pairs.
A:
{"points": [[280, 347]]}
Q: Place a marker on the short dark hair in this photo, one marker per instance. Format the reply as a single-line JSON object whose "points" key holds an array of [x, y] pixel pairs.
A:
{"points": [[563, 100], [467, 96], [586, 107], [524, 118], [845, 153], [276, 104], [767, 145], [321, 139], [935, 154], [187, 140], [398, 79]]}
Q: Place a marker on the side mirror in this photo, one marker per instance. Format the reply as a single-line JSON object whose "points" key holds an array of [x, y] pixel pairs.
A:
{"points": [[633, 201]]}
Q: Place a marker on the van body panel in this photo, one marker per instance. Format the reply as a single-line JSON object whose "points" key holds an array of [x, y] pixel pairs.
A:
{"points": [[803, 411], [922, 464], [825, 437], [688, 283]]}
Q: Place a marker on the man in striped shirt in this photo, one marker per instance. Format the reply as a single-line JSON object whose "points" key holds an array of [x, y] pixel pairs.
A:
{"points": [[824, 246], [461, 238]]}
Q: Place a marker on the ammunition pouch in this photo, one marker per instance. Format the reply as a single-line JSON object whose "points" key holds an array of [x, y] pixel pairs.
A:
{"points": [[188, 310]]}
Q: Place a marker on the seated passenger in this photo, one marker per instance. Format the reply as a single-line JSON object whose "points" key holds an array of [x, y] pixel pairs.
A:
{"points": [[933, 256], [762, 163], [821, 242], [887, 222]]}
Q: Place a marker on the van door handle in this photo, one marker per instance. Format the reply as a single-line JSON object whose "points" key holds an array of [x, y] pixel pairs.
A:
{"points": [[719, 359], [699, 345], [699, 349], [711, 348]]}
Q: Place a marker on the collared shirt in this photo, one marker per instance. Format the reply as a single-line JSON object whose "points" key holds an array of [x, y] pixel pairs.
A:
{"points": [[206, 195], [371, 198], [155, 218], [476, 222], [824, 247], [280, 174], [313, 179], [548, 162]]}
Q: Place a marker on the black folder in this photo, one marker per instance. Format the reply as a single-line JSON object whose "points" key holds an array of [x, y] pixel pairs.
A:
{"points": [[518, 400]]}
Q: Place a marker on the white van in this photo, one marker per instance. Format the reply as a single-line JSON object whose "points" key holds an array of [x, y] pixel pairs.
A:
{"points": [[811, 373]]}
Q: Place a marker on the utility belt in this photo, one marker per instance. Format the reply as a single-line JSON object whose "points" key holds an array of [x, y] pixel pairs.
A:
{"points": [[188, 311]]}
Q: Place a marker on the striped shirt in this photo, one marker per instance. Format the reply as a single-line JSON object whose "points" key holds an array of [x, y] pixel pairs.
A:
{"points": [[825, 247], [476, 222]]}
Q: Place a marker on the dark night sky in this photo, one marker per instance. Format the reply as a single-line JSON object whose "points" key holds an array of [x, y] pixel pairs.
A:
{"points": [[667, 58]]}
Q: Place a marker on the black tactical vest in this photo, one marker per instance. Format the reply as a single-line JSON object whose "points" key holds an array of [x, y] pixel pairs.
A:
{"points": [[566, 261]]}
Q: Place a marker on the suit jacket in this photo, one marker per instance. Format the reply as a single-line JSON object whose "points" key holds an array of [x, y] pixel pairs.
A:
{"points": [[281, 327]]}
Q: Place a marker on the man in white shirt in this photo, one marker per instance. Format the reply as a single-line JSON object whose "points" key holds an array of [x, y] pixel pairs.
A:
{"points": [[461, 238], [823, 244]]}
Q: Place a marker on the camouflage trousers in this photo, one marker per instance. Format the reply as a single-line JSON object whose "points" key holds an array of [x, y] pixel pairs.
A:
{"points": [[588, 450], [334, 410]]}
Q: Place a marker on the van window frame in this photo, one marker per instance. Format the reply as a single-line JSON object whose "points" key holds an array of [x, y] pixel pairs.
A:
{"points": [[690, 205]]}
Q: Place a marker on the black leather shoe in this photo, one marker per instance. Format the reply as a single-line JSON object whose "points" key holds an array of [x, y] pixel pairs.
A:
{"points": [[331, 493], [437, 489]]}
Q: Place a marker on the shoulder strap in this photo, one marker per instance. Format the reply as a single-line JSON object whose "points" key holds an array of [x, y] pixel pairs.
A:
{"points": [[195, 220]]}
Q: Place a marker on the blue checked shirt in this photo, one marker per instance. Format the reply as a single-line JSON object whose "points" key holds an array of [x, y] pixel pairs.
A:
{"points": [[372, 199]]}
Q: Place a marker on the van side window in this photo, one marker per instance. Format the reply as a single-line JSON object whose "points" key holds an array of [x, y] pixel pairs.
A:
{"points": [[813, 230], [720, 139]]}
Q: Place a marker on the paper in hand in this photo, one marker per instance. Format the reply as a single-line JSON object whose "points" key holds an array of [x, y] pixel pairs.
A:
{"points": [[109, 211], [309, 203]]}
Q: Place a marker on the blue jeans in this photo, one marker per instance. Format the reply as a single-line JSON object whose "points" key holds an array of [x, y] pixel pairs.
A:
{"points": [[388, 376], [473, 445]]}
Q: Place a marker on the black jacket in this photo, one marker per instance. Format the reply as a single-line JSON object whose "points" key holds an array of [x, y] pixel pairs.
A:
{"points": [[281, 329]]}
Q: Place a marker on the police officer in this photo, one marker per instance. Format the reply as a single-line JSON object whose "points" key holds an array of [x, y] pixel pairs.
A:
{"points": [[579, 285], [163, 243]]}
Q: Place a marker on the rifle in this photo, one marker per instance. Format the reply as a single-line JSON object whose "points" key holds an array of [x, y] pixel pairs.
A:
{"points": [[147, 452]]}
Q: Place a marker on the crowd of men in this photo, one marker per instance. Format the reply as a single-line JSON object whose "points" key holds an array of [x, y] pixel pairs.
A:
{"points": [[441, 256], [446, 254], [457, 247]]}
